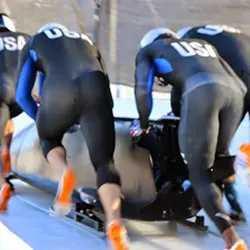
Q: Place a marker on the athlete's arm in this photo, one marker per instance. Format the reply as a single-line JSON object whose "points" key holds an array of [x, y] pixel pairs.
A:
{"points": [[101, 61], [144, 80], [26, 73], [41, 79], [104, 68]]}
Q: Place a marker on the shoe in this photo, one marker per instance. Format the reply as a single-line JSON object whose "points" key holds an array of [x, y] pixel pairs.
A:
{"points": [[237, 218], [239, 245], [63, 204], [117, 235], [6, 162], [5, 195]]}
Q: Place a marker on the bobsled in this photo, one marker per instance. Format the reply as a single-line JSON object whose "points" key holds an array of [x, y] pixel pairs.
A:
{"points": [[140, 200]]}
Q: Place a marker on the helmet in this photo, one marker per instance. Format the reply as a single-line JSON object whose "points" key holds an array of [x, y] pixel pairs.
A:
{"points": [[6, 24], [156, 34], [182, 32], [49, 26]]}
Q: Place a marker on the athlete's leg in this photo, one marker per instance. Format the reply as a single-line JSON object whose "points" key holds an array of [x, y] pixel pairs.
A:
{"points": [[15, 110], [5, 192], [57, 113], [198, 137], [7, 95], [175, 101], [237, 214], [4, 117], [8, 133], [231, 195], [230, 118], [97, 124]]}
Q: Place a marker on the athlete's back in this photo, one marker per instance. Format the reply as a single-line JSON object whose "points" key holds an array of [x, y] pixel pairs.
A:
{"points": [[211, 105], [76, 89], [176, 60], [232, 45], [63, 53], [11, 43]]}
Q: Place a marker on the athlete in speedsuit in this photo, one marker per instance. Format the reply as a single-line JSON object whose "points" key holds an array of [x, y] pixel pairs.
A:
{"points": [[75, 89], [211, 108], [11, 43], [234, 47]]}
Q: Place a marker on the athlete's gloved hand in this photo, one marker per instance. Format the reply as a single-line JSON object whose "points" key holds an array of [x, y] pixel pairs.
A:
{"points": [[136, 132]]}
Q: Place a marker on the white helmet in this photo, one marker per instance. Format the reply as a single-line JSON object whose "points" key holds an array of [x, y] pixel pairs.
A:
{"points": [[182, 32], [155, 34], [49, 26], [6, 24]]}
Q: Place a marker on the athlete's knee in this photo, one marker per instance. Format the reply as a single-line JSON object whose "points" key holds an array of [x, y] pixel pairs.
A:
{"points": [[198, 176], [107, 174], [48, 145], [198, 155]]}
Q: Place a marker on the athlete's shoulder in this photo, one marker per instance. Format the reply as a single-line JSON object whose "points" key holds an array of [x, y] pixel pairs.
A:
{"points": [[15, 34], [157, 45], [188, 42], [192, 47], [13, 41], [149, 50], [55, 33], [208, 30], [19, 33]]}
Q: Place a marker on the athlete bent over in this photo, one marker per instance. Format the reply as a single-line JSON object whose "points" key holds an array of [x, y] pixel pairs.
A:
{"points": [[211, 107], [11, 42], [233, 46], [75, 88]]}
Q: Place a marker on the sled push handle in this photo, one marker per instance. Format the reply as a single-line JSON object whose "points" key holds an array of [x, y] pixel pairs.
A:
{"points": [[159, 121]]}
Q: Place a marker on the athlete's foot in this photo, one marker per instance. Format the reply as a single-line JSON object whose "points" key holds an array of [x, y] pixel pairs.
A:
{"points": [[62, 204], [238, 218], [117, 236], [239, 245], [5, 195]]}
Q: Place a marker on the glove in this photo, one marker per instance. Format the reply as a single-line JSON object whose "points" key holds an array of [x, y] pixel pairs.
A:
{"points": [[136, 132], [135, 128]]}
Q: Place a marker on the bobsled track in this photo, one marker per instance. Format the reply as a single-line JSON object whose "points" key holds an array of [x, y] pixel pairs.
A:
{"points": [[29, 224]]}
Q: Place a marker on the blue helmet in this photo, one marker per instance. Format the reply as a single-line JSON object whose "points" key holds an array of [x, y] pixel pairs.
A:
{"points": [[156, 34], [49, 26]]}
